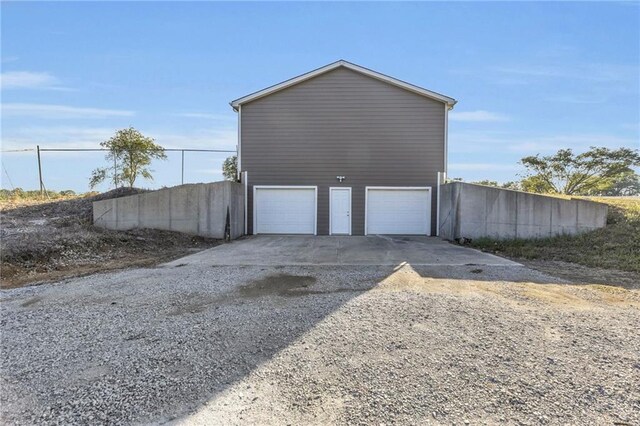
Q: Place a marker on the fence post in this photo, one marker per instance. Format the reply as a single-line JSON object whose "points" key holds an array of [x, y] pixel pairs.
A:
{"points": [[182, 167], [40, 171]]}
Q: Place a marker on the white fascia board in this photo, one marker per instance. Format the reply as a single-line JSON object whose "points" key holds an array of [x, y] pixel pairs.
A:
{"points": [[446, 138], [450, 102]]}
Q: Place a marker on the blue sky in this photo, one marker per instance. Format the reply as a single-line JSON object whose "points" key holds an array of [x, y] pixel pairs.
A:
{"points": [[529, 77]]}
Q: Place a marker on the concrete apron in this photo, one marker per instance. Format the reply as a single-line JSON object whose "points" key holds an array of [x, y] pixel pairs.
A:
{"points": [[284, 250]]}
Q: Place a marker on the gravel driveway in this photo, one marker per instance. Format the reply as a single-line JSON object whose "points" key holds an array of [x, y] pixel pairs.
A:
{"points": [[203, 344]]}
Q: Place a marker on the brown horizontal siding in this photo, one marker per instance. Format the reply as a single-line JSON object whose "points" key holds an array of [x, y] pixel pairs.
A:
{"points": [[343, 123]]}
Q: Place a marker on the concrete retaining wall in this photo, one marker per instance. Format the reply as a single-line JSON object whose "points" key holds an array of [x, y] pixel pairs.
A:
{"points": [[198, 209], [473, 211]]}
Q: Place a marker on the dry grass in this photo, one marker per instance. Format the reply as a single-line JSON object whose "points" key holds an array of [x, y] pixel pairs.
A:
{"points": [[15, 199], [617, 246]]}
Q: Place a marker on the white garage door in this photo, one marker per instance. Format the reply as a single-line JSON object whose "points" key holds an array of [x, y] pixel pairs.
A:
{"points": [[400, 211], [290, 210]]}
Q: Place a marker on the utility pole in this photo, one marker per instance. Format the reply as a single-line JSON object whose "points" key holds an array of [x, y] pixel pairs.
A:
{"points": [[40, 171], [182, 167], [115, 171]]}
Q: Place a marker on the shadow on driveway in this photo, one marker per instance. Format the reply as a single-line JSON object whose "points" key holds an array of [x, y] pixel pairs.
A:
{"points": [[147, 345]]}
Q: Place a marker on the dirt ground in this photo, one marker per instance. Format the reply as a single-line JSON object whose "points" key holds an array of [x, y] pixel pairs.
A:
{"points": [[576, 273], [55, 240]]}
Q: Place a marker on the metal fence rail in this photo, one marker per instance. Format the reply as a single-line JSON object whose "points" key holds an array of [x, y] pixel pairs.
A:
{"points": [[39, 150]]}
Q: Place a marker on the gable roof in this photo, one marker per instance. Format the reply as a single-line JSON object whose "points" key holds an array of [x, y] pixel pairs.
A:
{"points": [[341, 63]]}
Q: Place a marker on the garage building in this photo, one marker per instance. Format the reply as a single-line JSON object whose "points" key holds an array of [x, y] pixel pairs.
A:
{"points": [[342, 150]]}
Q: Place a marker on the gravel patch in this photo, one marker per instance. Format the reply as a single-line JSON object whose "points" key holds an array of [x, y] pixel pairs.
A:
{"points": [[318, 345]]}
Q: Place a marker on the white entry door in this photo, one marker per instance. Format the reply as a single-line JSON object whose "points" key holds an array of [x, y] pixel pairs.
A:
{"points": [[398, 210], [284, 210], [340, 211]]}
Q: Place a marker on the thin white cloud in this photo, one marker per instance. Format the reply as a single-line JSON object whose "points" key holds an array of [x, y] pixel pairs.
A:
{"points": [[482, 167], [584, 71], [631, 126], [571, 99], [610, 76], [223, 139], [48, 111], [531, 71], [479, 142], [8, 59], [90, 137], [205, 116], [577, 142], [28, 80], [67, 137], [476, 116]]}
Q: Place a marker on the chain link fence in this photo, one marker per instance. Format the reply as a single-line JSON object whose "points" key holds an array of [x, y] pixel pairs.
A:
{"points": [[70, 168]]}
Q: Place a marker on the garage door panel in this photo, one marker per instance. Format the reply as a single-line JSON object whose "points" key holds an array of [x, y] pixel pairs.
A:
{"points": [[285, 210], [399, 211]]}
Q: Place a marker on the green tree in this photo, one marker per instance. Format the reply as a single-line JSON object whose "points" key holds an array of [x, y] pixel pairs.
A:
{"points": [[512, 185], [506, 185], [230, 168], [581, 174], [535, 184], [487, 182], [131, 153], [624, 184]]}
